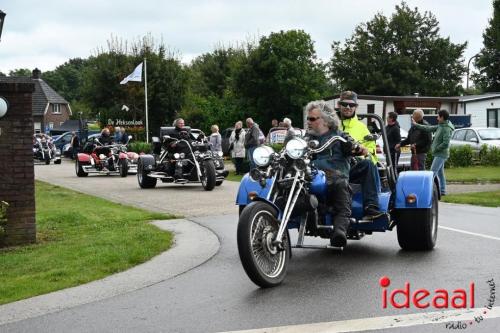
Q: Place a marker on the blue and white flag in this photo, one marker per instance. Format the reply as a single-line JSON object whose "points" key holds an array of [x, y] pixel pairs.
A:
{"points": [[136, 75]]}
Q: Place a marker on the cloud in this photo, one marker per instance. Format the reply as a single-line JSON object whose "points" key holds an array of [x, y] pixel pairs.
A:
{"points": [[46, 34]]}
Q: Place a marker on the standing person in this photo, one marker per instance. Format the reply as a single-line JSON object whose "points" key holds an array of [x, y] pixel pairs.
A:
{"points": [[419, 140], [124, 136], [75, 145], [251, 140], [364, 172], [440, 145], [290, 133], [237, 142], [215, 139], [393, 138], [118, 135]]}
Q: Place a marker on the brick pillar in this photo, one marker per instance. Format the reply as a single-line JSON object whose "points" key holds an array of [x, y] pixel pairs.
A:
{"points": [[17, 185]]}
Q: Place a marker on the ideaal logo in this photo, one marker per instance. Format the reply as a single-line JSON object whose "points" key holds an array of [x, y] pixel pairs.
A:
{"points": [[422, 298]]}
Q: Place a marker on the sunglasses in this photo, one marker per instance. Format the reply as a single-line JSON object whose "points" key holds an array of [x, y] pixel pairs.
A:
{"points": [[311, 119], [348, 105]]}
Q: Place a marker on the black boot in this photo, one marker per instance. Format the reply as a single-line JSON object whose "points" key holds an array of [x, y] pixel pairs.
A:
{"points": [[338, 237]]}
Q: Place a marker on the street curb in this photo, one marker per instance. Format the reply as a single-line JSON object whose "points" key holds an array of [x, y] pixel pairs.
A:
{"points": [[193, 245]]}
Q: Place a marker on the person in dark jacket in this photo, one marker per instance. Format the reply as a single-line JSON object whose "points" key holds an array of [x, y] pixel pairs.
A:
{"points": [[393, 138], [105, 138], [251, 140], [124, 138], [323, 123], [75, 145], [419, 140]]}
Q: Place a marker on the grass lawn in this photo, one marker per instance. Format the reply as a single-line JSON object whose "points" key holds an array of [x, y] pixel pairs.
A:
{"points": [[234, 177], [473, 174], [488, 199], [80, 238]]}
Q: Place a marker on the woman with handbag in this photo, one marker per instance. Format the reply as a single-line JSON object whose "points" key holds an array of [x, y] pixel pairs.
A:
{"points": [[237, 146]]}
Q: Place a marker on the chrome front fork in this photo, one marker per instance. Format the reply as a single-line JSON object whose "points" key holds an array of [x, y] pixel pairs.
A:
{"points": [[297, 186]]}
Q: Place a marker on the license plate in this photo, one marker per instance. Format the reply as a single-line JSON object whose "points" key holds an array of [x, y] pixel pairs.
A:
{"points": [[405, 150]]}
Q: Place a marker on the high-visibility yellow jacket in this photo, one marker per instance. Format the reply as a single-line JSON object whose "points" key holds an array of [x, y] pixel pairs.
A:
{"points": [[358, 130]]}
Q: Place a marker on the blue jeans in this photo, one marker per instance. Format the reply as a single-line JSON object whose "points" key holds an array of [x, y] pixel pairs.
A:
{"points": [[438, 168], [366, 174], [250, 156]]}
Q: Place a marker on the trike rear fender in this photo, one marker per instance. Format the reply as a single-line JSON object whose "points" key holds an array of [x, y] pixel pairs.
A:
{"points": [[419, 183], [148, 162], [83, 158]]}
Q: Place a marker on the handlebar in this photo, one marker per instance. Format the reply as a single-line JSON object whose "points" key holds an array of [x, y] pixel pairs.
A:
{"points": [[328, 143]]}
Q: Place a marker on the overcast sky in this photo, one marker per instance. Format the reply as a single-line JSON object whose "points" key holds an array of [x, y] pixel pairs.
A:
{"points": [[46, 34]]}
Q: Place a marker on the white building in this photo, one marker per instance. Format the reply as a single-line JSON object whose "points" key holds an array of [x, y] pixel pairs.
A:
{"points": [[484, 109]]}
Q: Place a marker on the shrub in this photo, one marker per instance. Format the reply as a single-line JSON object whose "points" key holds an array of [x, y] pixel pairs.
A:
{"points": [[483, 152], [460, 156], [428, 161], [3, 218], [276, 146], [491, 156], [140, 147]]}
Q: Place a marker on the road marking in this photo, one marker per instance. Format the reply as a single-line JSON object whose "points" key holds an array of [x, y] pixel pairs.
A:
{"points": [[469, 233], [357, 325]]}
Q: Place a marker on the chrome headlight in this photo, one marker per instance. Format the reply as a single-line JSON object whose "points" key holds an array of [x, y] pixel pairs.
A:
{"points": [[296, 148], [262, 155], [177, 156]]}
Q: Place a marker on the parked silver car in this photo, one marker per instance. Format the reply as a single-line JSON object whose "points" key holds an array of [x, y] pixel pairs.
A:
{"points": [[475, 137]]}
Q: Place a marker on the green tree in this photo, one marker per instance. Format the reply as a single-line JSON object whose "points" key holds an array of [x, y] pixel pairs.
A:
{"points": [[211, 98], [20, 72], [166, 82], [399, 55], [488, 61], [67, 79], [211, 73], [281, 75]]}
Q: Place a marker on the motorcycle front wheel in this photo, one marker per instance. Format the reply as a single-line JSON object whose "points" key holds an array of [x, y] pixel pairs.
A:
{"points": [[264, 262], [123, 167], [208, 176]]}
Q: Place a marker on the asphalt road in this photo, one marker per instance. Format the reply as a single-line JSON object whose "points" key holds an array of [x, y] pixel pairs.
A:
{"points": [[321, 285]]}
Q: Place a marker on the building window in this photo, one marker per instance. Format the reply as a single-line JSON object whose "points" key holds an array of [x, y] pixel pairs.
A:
{"points": [[56, 108], [492, 118], [62, 122], [51, 125], [37, 127]]}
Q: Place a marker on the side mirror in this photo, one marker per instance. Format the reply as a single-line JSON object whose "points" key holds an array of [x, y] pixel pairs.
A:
{"points": [[313, 144], [155, 139], [130, 137]]}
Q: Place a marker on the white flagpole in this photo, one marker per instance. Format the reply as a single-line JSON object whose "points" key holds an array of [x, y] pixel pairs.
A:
{"points": [[146, 98]]}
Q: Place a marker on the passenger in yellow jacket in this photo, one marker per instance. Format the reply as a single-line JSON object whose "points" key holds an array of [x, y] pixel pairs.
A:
{"points": [[358, 130], [365, 171]]}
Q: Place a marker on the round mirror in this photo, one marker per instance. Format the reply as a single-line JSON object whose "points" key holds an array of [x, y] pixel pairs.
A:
{"points": [[3, 107]]}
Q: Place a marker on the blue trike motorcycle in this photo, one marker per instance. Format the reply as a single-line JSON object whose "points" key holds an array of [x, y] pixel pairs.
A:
{"points": [[286, 191]]}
